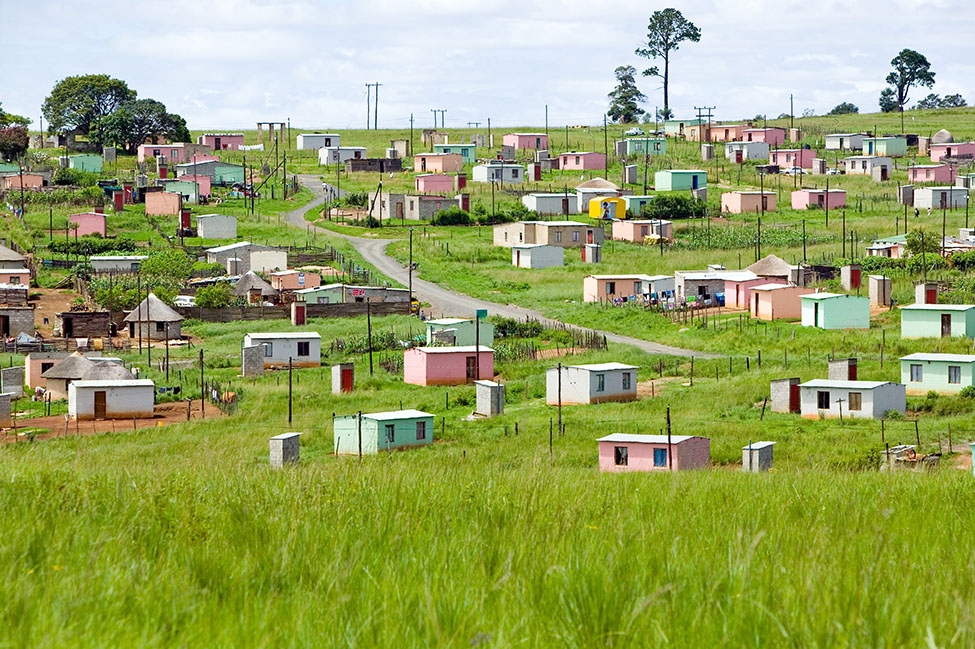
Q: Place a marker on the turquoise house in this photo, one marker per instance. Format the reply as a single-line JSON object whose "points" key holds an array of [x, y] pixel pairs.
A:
{"points": [[645, 146], [227, 174], [674, 180], [382, 431], [885, 146], [835, 311], [460, 332], [943, 373], [88, 162], [678, 127], [466, 151], [9, 167], [187, 189], [327, 294], [938, 320]]}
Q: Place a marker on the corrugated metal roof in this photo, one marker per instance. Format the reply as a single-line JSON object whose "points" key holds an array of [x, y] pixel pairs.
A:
{"points": [[758, 445], [115, 384], [453, 349], [947, 358], [396, 414], [599, 367], [286, 335], [645, 439], [844, 385], [938, 307]]}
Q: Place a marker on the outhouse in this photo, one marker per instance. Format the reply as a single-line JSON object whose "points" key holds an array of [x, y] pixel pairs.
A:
{"points": [[368, 434], [850, 277], [284, 449], [592, 253], [879, 290], [343, 378], [622, 452], [784, 395], [757, 457], [490, 398], [842, 369], [926, 293]]}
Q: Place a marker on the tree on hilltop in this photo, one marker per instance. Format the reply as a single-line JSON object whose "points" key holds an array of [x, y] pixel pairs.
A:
{"points": [[667, 30], [625, 98]]}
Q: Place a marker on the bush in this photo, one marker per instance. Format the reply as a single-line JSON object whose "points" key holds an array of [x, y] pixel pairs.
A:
{"points": [[171, 264], [453, 215], [214, 296], [68, 176], [963, 260], [91, 244], [673, 206], [967, 392], [208, 268], [511, 328]]}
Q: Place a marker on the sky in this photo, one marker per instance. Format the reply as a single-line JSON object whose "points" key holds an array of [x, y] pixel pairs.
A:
{"points": [[225, 64]]}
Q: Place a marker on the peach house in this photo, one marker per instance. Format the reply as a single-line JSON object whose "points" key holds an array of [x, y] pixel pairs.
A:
{"points": [[741, 202], [202, 183], [607, 288], [805, 198], [447, 365], [627, 452], [771, 136], [88, 223], [222, 141], [788, 158], [951, 150], [727, 132], [777, 301], [14, 276], [294, 280], [738, 290], [163, 203], [438, 162], [30, 181], [582, 160], [637, 231], [434, 183], [526, 140], [172, 152], [944, 174]]}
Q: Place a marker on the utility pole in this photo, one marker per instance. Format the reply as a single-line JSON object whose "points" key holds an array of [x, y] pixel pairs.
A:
{"points": [[434, 111], [442, 117], [369, 104], [410, 152], [792, 113], [290, 372], [546, 119], [605, 148], [700, 115], [375, 109], [369, 333], [411, 272]]}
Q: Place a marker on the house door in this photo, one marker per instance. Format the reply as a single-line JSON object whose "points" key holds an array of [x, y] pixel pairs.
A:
{"points": [[945, 325], [816, 314], [538, 143], [347, 379], [869, 148], [216, 144], [299, 314], [565, 205], [883, 173], [67, 328], [944, 200], [948, 152], [931, 296], [755, 304], [694, 182], [738, 300], [471, 368], [5, 325], [423, 164], [399, 210], [100, 407], [821, 200], [589, 236], [518, 258], [794, 398]]}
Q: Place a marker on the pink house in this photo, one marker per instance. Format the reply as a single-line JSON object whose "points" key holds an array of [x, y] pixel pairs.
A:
{"points": [[202, 183], [741, 202], [771, 136], [447, 365], [951, 150], [89, 223], [434, 183], [804, 198], [203, 157], [944, 174], [526, 140], [294, 280], [637, 231], [727, 132], [582, 160], [30, 181], [787, 158], [626, 452], [222, 141], [163, 204], [172, 152], [738, 290], [14, 276], [438, 162], [775, 301]]}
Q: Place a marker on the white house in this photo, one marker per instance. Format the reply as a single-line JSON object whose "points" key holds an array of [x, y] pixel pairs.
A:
{"points": [[111, 399], [551, 204], [590, 383], [859, 399], [315, 141], [329, 155], [216, 226], [304, 348], [537, 255], [116, 263], [865, 164], [266, 261], [749, 150], [498, 171], [940, 197], [844, 142]]}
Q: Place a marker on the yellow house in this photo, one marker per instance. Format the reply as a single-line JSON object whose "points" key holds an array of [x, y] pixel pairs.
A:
{"points": [[607, 207]]}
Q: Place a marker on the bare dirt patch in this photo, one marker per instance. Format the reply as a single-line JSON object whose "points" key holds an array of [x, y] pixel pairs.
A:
{"points": [[50, 302], [650, 389]]}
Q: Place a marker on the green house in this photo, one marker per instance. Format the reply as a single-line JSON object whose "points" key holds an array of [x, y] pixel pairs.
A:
{"points": [[645, 146], [677, 127], [9, 167], [327, 294], [185, 188], [466, 151], [937, 320], [460, 332], [943, 373], [227, 174], [382, 431], [835, 311], [673, 180], [88, 162], [885, 146]]}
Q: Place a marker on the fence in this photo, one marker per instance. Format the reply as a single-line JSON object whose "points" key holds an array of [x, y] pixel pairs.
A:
{"points": [[233, 314]]}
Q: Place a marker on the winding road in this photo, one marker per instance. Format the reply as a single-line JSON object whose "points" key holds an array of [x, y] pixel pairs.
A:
{"points": [[450, 302]]}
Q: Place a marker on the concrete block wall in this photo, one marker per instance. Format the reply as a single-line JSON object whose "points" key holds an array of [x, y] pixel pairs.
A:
{"points": [[5, 418], [840, 369], [490, 398], [284, 449], [12, 381], [780, 391], [252, 360]]}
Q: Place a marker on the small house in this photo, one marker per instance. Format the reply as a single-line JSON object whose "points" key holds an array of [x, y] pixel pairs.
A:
{"points": [[216, 226], [592, 189], [844, 142], [951, 150], [498, 171], [679, 127], [172, 152], [330, 155], [28, 181], [242, 253], [738, 288], [116, 263], [672, 180], [937, 320], [940, 197], [931, 173], [537, 141], [87, 162], [739, 202], [637, 205], [943, 373], [537, 256], [460, 332], [294, 280], [607, 208], [163, 204], [301, 348], [551, 204], [865, 165], [111, 399], [803, 199], [255, 289], [83, 324], [621, 452], [438, 163], [346, 294], [368, 434], [693, 285], [316, 141], [642, 230], [153, 319], [600, 288], [738, 152], [835, 311], [582, 160], [219, 173], [596, 383], [468, 152], [222, 141], [14, 276], [447, 365], [76, 367], [885, 146], [777, 301], [772, 136], [727, 132], [433, 183], [565, 234], [789, 158], [644, 146], [890, 247], [825, 398], [88, 223]]}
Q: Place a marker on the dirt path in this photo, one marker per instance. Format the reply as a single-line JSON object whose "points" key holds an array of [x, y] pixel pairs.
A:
{"points": [[50, 302]]}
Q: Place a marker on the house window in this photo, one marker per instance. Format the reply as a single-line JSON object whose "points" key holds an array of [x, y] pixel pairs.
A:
{"points": [[514, 173], [822, 400], [600, 383], [268, 350], [622, 455], [610, 288], [15, 279], [304, 348], [626, 380], [390, 433], [160, 326], [577, 159], [856, 401], [917, 374], [421, 430], [558, 236], [575, 235], [954, 374], [644, 230], [660, 457], [46, 366]]}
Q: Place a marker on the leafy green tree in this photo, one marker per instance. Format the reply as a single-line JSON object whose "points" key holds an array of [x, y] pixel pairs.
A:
{"points": [[931, 101], [910, 69], [167, 264], [917, 242], [846, 108], [953, 101], [13, 142], [136, 122], [76, 102], [214, 296], [672, 205], [625, 98], [667, 30], [888, 101], [9, 119]]}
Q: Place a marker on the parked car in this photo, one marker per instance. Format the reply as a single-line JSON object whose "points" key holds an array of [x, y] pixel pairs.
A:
{"points": [[793, 171], [184, 300], [636, 130], [834, 171]]}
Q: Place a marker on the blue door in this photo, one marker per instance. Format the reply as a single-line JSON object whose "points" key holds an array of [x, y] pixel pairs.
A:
{"points": [[694, 181], [660, 457], [869, 148]]}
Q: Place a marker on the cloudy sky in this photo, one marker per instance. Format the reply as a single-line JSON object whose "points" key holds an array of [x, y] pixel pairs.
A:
{"points": [[230, 63]]}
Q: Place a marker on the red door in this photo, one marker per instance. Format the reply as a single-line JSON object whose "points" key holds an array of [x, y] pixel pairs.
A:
{"points": [[851, 372], [794, 398], [583, 254], [931, 296], [589, 236], [347, 379], [855, 277], [299, 314]]}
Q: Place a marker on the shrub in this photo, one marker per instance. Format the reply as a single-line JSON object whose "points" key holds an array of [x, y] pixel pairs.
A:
{"points": [[452, 215], [174, 264], [68, 176], [674, 206], [967, 392], [214, 296]]}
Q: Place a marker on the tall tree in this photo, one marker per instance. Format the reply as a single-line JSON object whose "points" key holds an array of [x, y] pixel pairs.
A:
{"points": [[953, 101], [931, 101], [135, 122], [76, 102], [667, 30], [625, 99], [910, 69]]}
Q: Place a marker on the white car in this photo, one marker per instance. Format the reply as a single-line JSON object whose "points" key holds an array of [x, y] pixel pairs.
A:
{"points": [[184, 300], [636, 130], [833, 172], [793, 171]]}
